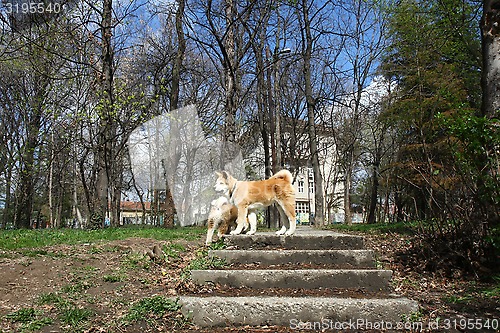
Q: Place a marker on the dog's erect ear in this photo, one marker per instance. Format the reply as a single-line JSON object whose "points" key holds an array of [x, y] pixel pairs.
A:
{"points": [[222, 174]]}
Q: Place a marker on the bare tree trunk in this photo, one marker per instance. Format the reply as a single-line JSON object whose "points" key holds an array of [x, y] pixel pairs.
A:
{"points": [[347, 194], [181, 49], [262, 101], [104, 150], [105, 147], [490, 84], [51, 178], [26, 192], [169, 214], [76, 211], [318, 218], [374, 191], [230, 77], [7, 211], [490, 26]]}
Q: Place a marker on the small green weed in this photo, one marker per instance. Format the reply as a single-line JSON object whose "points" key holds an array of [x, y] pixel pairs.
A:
{"points": [[74, 316], [203, 261], [69, 312], [454, 299], [34, 253], [114, 277], [494, 291], [77, 287], [24, 315], [491, 293], [173, 251], [53, 299], [155, 306], [414, 317], [95, 250], [6, 255], [219, 245], [31, 319], [135, 261]]}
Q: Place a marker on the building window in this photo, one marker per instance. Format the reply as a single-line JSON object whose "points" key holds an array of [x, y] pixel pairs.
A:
{"points": [[302, 210], [311, 186], [302, 207], [300, 186]]}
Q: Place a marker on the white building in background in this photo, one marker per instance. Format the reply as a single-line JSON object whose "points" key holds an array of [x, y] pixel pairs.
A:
{"points": [[295, 147]]}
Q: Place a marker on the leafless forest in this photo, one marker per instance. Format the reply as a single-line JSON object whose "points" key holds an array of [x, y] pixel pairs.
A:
{"points": [[283, 75]]}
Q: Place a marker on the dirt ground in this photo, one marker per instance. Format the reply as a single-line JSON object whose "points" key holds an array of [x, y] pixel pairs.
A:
{"points": [[97, 287]]}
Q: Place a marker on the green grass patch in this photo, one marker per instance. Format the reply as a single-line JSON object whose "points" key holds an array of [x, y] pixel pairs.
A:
{"points": [[52, 299], [33, 253], [69, 312], [173, 251], [475, 294], [454, 299], [114, 277], [203, 261], [30, 319], [493, 292], [76, 288], [27, 238], [75, 316], [151, 307], [219, 245], [136, 261]]}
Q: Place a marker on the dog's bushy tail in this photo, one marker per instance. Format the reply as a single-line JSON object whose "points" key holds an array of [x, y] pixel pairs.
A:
{"points": [[283, 174]]}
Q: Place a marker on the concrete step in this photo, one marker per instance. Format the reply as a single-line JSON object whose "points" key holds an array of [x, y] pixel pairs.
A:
{"points": [[327, 313], [302, 240], [366, 279], [336, 258]]}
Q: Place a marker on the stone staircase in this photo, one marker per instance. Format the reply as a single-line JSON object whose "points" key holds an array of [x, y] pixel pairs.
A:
{"points": [[310, 260]]}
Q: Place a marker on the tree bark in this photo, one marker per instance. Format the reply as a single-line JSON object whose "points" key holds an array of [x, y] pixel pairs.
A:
{"points": [[24, 208], [347, 193], [374, 191], [318, 218], [490, 27], [230, 76], [169, 213], [105, 145]]}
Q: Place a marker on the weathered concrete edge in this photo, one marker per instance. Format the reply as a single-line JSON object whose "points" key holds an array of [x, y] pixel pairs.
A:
{"points": [[367, 279], [288, 311], [325, 241], [356, 258]]}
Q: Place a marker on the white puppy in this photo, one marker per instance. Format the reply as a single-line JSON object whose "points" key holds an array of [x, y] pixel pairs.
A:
{"points": [[222, 217]]}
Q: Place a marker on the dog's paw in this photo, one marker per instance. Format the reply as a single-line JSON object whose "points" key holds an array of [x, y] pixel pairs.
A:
{"points": [[281, 232], [251, 232], [289, 233], [234, 232]]}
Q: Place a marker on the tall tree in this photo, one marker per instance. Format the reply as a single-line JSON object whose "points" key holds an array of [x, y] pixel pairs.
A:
{"points": [[490, 28], [174, 104], [105, 158], [307, 49], [437, 79]]}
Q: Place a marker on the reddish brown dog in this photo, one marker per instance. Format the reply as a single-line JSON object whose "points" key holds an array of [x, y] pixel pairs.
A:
{"points": [[249, 196]]}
